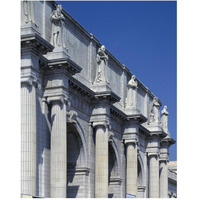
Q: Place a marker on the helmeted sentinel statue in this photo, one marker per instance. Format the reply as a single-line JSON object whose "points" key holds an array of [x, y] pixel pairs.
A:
{"points": [[102, 59], [57, 20]]}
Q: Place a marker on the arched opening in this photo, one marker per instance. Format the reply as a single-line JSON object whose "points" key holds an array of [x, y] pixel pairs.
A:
{"points": [[140, 179], [113, 174], [77, 171]]}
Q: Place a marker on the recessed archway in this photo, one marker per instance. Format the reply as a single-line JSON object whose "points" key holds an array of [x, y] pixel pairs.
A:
{"points": [[77, 170], [114, 172], [140, 179]]}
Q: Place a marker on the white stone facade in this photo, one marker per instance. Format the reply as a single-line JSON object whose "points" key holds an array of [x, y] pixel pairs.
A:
{"points": [[89, 127]]}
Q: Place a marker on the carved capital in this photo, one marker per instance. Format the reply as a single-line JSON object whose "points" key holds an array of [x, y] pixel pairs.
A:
{"points": [[31, 81], [156, 154], [105, 124], [129, 141], [61, 99]]}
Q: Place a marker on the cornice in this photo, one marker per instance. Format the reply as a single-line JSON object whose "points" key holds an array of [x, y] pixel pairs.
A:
{"points": [[137, 117], [144, 131], [63, 63], [35, 40], [117, 113], [80, 88], [168, 140], [109, 95]]}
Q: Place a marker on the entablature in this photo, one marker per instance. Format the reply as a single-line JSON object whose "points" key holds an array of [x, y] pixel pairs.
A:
{"points": [[36, 41]]}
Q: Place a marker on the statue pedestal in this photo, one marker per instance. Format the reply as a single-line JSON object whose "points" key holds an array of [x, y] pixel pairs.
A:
{"points": [[29, 28], [58, 53], [101, 87], [130, 110]]}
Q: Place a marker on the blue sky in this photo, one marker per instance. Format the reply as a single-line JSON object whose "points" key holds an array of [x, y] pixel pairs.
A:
{"points": [[141, 35]]}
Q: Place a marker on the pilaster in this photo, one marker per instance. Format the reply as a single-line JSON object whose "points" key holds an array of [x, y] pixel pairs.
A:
{"points": [[101, 162], [164, 158], [153, 175], [28, 135], [58, 170], [130, 137], [131, 164]]}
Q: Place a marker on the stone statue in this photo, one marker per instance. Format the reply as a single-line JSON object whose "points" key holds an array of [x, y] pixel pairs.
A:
{"points": [[72, 116], [155, 111], [132, 92], [102, 60], [164, 119], [57, 27], [27, 12]]}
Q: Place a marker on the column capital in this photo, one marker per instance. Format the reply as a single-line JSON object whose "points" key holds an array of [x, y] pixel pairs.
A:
{"points": [[105, 124], [63, 99], [128, 141], [31, 81], [153, 154]]}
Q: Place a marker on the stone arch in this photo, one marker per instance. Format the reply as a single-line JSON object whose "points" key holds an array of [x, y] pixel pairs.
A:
{"points": [[114, 171], [77, 171], [140, 178], [83, 140]]}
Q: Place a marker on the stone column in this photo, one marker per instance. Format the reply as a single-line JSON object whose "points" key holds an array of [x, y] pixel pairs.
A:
{"points": [[153, 175], [131, 172], [101, 160], [58, 172], [28, 136], [163, 179]]}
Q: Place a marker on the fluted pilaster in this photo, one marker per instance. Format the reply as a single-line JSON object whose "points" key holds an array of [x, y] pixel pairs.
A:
{"points": [[163, 179], [28, 136], [101, 160], [153, 175], [58, 177], [131, 176]]}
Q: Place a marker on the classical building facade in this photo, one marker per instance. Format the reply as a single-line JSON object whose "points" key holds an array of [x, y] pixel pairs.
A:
{"points": [[89, 128]]}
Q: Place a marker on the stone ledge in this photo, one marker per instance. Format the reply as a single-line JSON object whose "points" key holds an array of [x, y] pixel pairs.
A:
{"points": [[78, 171], [37, 41], [115, 181]]}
